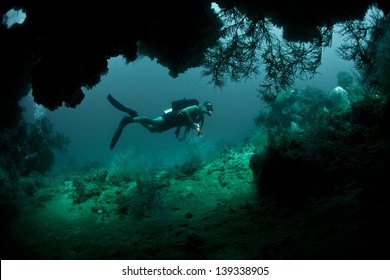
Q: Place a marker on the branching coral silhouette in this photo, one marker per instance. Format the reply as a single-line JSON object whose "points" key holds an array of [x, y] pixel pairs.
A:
{"points": [[367, 43], [249, 45]]}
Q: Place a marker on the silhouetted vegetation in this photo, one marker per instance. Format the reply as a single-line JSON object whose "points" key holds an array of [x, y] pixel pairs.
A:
{"points": [[367, 43], [249, 45], [30, 147]]}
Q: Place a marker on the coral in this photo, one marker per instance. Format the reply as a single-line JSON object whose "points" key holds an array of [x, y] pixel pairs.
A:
{"points": [[82, 191], [249, 43], [293, 166], [98, 176], [123, 166], [367, 44], [293, 106], [338, 97], [195, 154], [145, 198]]}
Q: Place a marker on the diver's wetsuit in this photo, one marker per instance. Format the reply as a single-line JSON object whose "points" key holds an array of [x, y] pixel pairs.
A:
{"points": [[175, 119]]}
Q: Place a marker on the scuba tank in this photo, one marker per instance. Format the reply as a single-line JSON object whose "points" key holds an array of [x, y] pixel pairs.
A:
{"points": [[181, 104]]}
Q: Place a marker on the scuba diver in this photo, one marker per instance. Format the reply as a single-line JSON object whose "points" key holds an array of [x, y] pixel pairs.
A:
{"points": [[186, 113]]}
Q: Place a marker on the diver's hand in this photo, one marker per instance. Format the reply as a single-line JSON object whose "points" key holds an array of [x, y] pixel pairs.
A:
{"points": [[197, 127]]}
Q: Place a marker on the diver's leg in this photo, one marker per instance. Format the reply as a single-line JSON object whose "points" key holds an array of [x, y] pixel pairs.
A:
{"points": [[125, 121], [150, 124], [120, 107]]}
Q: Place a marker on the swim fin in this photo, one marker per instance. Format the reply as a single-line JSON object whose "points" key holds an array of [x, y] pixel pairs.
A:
{"points": [[125, 121], [120, 107]]}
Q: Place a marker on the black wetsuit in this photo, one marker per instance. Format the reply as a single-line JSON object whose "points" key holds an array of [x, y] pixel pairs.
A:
{"points": [[177, 118]]}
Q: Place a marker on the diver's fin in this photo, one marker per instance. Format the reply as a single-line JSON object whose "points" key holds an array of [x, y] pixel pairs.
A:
{"points": [[115, 137], [125, 121], [120, 107]]}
